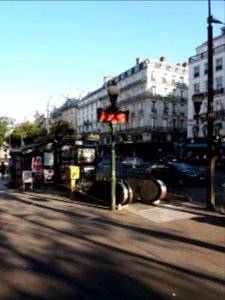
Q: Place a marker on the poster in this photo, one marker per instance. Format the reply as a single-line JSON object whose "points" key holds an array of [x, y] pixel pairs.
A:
{"points": [[48, 159], [36, 164], [48, 175], [85, 155], [27, 177]]}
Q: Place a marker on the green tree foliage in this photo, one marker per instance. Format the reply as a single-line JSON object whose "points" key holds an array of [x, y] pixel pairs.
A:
{"points": [[61, 129], [27, 132], [5, 123]]}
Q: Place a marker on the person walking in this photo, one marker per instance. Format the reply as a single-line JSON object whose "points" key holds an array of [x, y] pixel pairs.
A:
{"points": [[2, 169]]}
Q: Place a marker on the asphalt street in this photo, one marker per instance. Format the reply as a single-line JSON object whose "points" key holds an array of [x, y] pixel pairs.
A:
{"points": [[54, 247]]}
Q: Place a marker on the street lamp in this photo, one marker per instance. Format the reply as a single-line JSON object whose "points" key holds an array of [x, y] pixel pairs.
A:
{"points": [[197, 101], [48, 111], [113, 93], [210, 118]]}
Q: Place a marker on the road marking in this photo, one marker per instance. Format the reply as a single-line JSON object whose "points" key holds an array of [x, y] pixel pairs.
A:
{"points": [[160, 214]]}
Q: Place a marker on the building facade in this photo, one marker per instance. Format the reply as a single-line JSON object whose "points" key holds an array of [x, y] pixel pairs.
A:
{"points": [[198, 84], [155, 93]]}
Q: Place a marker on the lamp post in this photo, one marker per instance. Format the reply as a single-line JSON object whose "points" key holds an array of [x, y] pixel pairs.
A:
{"points": [[210, 205], [210, 116], [113, 93], [48, 111], [197, 101]]}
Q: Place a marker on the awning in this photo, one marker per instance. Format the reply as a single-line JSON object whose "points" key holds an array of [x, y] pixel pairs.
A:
{"points": [[28, 148], [205, 127], [196, 145], [217, 126], [195, 128]]}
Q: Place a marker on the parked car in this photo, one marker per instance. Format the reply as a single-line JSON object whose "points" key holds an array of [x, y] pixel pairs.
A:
{"points": [[133, 162], [177, 173]]}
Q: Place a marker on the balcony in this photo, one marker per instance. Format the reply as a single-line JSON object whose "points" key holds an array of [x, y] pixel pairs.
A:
{"points": [[219, 113], [166, 110], [219, 91], [204, 55], [133, 84], [152, 129], [220, 67], [182, 85]]}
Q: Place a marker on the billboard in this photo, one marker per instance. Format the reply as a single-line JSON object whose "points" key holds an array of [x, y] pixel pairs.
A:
{"points": [[86, 155]]}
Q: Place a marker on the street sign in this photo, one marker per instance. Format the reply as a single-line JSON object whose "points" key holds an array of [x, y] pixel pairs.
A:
{"points": [[109, 116]]}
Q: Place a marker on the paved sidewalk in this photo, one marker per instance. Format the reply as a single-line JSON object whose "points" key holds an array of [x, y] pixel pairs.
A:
{"points": [[53, 247], [4, 182]]}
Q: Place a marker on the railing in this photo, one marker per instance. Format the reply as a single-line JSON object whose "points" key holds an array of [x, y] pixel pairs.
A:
{"points": [[204, 55], [157, 129], [103, 172]]}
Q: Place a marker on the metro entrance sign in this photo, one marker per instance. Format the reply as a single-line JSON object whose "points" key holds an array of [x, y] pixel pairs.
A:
{"points": [[109, 116]]}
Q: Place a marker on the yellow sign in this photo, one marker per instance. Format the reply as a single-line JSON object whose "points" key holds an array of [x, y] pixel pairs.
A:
{"points": [[74, 172]]}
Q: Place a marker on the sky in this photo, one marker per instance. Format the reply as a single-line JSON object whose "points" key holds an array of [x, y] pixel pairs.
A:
{"points": [[49, 48]]}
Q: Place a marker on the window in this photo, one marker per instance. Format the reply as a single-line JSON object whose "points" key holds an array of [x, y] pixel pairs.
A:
{"points": [[165, 123], [206, 68], [219, 82], [181, 80], [182, 109], [174, 122], [206, 86], [174, 108], [182, 94], [153, 90], [165, 92], [219, 105], [165, 108], [174, 93], [136, 68], [153, 106], [153, 121], [164, 79], [196, 87], [173, 81], [219, 64], [141, 107], [196, 71], [153, 76]]}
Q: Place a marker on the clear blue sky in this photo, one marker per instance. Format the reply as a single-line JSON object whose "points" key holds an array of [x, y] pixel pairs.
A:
{"points": [[50, 47]]}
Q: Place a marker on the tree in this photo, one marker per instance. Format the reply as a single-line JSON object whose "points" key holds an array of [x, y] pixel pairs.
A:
{"points": [[27, 132], [5, 123], [61, 129]]}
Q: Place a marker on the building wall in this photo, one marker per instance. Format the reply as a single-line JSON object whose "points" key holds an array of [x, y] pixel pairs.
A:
{"points": [[155, 94], [198, 76]]}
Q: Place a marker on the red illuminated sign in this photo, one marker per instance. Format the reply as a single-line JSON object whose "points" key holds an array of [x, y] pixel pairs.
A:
{"points": [[110, 116]]}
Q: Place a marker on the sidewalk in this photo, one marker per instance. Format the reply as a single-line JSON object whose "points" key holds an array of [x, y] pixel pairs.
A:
{"points": [[4, 182], [53, 247]]}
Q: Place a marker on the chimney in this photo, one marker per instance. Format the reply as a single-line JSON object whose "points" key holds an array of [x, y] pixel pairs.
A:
{"points": [[162, 58], [223, 30], [107, 78], [139, 60]]}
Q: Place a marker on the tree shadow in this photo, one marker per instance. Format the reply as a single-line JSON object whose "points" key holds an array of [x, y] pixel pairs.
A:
{"points": [[58, 250]]}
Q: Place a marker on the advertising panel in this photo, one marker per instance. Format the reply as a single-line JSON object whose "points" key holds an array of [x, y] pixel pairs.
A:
{"points": [[48, 159], [85, 155], [36, 164]]}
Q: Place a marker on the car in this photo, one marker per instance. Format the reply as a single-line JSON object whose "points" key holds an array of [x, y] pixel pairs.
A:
{"points": [[177, 173], [133, 162]]}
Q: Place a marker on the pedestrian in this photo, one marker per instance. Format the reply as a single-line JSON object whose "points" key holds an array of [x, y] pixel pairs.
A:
{"points": [[3, 169]]}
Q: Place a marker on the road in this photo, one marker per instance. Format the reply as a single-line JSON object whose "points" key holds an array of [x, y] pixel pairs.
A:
{"points": [[199, 194], [54, 247]]}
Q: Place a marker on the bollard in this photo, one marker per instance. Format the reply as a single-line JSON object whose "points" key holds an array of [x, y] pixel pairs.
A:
{"points": [[223, 199]]}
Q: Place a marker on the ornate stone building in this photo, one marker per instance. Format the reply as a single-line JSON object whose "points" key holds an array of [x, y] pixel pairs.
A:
{"points": [[155, 93]]}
